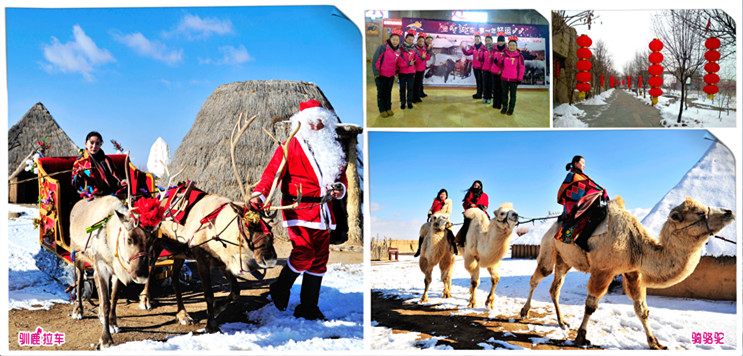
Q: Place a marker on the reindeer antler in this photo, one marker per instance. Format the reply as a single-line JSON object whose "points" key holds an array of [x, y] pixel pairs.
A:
{"points": [[239, 129], [170, 178], [285, 148]]}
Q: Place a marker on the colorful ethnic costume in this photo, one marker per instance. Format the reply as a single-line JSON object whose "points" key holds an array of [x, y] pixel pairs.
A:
{"points": [[584, 207], [95, 175]]}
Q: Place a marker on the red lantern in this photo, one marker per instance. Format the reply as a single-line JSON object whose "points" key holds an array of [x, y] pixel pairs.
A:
{"points": [[639, 82], [583, 76], [583, 65], [712, 56], [655, 70], [602, 80], [611, 81], [655, 57], [629, 82], [584, 41], [655, 81], [656, 45]]}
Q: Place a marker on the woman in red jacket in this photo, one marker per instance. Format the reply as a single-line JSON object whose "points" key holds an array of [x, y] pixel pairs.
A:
{"points": [[475, 198], [384, 67], [406, 74]]}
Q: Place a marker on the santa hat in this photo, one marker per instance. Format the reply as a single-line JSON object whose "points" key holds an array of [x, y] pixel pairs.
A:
{"points": [[311, 111]]}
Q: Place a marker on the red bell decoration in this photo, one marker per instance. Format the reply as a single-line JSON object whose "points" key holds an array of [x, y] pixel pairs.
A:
{"points": [[655, 70], [712, 56], [602, 80], [583, 65]]}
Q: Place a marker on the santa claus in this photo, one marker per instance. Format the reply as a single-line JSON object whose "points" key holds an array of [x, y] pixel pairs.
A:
{"points": [[316, 162]]}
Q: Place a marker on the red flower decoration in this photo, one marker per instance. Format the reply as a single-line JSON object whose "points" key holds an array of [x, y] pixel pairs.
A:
{"points": [[149, 211]]}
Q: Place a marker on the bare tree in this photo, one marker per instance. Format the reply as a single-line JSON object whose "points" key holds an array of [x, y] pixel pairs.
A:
{"points": [[572, 19], [603, 64], [683, 46], [721, 26]]}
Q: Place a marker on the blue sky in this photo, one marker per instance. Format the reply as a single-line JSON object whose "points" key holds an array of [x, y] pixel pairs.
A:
{"points": [[525, 168], [134, 74]]}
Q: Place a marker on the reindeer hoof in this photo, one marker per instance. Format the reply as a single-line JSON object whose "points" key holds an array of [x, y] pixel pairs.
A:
{"points": [[654, 344], [183, 318], [581, 340]]}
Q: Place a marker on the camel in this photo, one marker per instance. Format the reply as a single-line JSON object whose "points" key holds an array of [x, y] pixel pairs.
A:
{"points": [[119, 251], [627, 249], [485, 245], [436, 250]]}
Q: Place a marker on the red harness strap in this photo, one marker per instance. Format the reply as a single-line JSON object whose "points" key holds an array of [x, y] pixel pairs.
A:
{"points": [[211, 216]]}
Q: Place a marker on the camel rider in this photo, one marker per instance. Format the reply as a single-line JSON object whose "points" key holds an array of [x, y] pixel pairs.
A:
{"points": [[441, 204], [475, 198], [584, 205]]}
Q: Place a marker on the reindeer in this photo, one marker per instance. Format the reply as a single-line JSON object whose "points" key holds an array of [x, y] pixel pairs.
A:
{"points": [[219, 233], [120, 249]]}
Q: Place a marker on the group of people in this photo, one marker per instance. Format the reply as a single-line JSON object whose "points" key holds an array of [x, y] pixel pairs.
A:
{"points": [[583, 200], [407, 60], [316, 162], [498, 69]]}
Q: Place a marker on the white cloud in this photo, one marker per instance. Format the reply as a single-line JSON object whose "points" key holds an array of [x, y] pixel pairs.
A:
{"points": [[152, 49], [81, 55], [194, 27], [375, 206], [230, 55]]}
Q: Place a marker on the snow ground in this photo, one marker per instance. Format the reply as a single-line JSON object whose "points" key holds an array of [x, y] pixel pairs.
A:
{"points": [[341, 300], [567, 115], [702, 115], [613, 326]]}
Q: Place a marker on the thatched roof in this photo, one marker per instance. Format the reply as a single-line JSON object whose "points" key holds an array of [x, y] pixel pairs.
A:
{"points": [[205, 151], [36, 125]]}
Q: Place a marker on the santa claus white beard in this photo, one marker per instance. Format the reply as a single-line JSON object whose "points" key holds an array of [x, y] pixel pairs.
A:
{"points": [[327, 152]]}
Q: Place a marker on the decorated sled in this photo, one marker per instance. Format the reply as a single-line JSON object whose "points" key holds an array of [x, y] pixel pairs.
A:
{"points": [[57, 196]]}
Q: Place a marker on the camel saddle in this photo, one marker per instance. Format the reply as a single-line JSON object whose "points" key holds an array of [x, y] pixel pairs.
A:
{"points": [[180, 200], [589, 219]]}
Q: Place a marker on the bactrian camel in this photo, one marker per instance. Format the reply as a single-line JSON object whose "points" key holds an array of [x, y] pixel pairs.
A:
{"points": [[436, 250], [485, 244], [627, 249]]}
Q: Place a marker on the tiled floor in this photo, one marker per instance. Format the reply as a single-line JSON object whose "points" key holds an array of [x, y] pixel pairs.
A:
{"points": [[452, 107]]}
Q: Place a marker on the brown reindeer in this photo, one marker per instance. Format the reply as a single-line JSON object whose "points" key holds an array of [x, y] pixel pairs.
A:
{"points": [[627, 249], [235, 240], [120, 252]]}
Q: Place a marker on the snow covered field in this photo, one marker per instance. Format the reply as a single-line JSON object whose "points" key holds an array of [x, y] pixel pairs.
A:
{"points": [[341, 300], [613, 326], [701, 113], [567, 115]]}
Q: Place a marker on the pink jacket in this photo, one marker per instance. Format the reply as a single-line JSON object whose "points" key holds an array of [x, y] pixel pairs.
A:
{"points": [[512, 66], [387, 62], [498, 59], [420, 64], [403, 62], [476, 61], [486, 57]]}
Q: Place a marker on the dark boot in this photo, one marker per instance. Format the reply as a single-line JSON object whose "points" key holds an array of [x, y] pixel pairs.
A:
{"points": [[420, 243], [452, 240], [280, 290], [309, 297], [504, 110], [462, 233]]}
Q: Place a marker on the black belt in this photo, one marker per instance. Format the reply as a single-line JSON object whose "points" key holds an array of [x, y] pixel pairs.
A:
{"points": [[305, 199]]}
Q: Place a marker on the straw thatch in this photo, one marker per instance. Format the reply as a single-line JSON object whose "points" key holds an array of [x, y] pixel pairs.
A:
{"points": [[205, 150], [36, 125]]}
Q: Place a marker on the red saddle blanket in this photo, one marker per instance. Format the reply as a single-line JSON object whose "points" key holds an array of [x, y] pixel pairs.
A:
{"points": [[178, 209]]}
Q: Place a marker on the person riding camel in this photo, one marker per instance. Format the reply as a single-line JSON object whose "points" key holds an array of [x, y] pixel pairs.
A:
{"points": [[441, 204], [584, 205], [475, 198]]}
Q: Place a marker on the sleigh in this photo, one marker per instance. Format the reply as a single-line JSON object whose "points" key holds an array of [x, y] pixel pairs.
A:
{"points": [[57, 196]]}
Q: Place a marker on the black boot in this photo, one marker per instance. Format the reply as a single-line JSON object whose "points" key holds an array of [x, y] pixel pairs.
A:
{"points": [[420, 243], [452, 240], [280, 289], [309, 297]]}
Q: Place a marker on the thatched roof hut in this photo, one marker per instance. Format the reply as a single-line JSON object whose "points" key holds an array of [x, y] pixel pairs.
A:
{"points": [[205, 150], [37, 124]]}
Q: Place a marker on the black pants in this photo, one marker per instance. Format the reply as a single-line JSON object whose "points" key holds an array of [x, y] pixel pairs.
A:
{"points": [[478, 80], [497, 91], [384, 92], [487, 85], [418, 86], [508, 88], [406, 87], [462, 233]]}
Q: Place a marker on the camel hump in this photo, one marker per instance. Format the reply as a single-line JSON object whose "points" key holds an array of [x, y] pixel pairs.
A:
{"points": [[473, 213], [619, 201]]}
